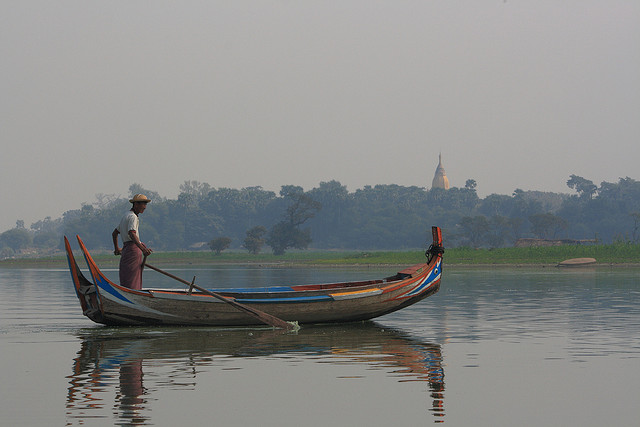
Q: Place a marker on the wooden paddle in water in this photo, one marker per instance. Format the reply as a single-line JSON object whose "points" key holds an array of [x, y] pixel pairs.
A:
{"points": [[260, 315]]}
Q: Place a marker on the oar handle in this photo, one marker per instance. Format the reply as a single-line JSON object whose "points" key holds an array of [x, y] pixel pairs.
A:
{"points": [[168, 274], [260, 315]]}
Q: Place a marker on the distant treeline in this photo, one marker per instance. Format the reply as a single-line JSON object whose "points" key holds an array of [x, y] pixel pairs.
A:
{"points": [[381, 217]]}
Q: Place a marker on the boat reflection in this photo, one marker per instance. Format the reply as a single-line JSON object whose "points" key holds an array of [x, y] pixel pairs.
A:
{"points": [[114, 359]]}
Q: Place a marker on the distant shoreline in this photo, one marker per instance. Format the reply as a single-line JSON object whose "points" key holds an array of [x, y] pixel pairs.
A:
{"points": [[462, 258]]}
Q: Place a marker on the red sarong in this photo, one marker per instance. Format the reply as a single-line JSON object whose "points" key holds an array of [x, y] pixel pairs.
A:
{"points": [[131, 266]]}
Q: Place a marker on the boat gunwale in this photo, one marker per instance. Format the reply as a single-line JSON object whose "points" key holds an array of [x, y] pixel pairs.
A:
{"points": [[389, 285], [319, 289]]}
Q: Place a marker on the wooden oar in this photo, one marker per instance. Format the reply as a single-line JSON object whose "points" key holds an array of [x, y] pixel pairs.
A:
{"points": [[260, 315]]}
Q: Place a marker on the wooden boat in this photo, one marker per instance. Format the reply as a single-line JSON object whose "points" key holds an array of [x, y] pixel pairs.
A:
{"points": [[577, 262], [110, 304]]}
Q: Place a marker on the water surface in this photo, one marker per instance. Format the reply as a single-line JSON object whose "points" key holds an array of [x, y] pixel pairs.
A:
{"points": [[514, 346]]}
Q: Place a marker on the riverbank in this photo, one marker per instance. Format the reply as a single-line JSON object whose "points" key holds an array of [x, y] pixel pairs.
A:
{"points": [[610, 255]]}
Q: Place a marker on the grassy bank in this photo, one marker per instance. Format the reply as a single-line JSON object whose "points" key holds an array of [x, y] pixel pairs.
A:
{"points": [[604, 254]]}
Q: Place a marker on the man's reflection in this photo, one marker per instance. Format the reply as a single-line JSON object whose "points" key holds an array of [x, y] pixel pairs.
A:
{"points": [[94, 373], [130, 400]]}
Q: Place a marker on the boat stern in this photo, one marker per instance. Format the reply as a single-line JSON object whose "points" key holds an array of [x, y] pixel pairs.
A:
{"points": [[85, 290]]}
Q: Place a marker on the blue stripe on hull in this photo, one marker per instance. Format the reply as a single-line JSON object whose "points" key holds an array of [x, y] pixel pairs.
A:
{"points": [[253, 290], [106, 286], [431, 277], [284, 300]]}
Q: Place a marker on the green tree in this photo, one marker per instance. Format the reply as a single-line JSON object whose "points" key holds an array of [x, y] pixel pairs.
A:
{"points": [[44, 226], [499, 230], [474, 229], [335, 220], [198, 190], [255, 239], [219, 244], [17, 238], [547, 225], [496, 204], [470, 184], [239, 210], [6, 252], [46, 240], [302, 207], [516, 225], [584, 187], [46, 233], [287, 233], [636, 226], [283, 236]]}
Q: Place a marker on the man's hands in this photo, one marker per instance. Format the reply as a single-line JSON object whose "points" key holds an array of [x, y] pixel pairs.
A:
{"points": [[145, 250]]}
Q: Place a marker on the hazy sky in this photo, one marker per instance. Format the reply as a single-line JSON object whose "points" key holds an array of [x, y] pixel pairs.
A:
{"points": [[515, 94]]}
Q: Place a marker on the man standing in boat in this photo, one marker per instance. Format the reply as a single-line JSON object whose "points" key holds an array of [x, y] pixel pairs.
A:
{"points": [[133, 250]]}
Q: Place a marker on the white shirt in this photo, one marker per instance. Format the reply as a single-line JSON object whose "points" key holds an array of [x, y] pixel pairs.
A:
{"points": [[128, 222]]}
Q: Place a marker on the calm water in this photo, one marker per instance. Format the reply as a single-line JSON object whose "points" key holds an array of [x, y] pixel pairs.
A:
{"points": [[504, 347]]}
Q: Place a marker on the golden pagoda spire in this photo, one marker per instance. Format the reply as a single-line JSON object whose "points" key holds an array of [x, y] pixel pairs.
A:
{"points": [[440, 179]]}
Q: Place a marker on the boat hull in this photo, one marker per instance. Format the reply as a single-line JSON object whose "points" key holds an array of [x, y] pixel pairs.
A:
{"points": [[108, 303], [177, 308]]}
